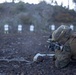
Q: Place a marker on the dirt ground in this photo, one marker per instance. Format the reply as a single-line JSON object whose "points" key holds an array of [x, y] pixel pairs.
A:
{"points": [[26, 45]]}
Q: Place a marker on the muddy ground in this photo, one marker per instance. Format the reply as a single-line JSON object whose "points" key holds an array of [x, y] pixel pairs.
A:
{"points": [[25, 46]]}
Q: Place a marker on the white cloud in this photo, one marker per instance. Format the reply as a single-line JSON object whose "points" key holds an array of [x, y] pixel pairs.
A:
{"points": [[32, 1], [65, 2]]}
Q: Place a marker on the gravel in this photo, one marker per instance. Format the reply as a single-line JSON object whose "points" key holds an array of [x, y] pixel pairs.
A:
{"points": [[25, 46]]}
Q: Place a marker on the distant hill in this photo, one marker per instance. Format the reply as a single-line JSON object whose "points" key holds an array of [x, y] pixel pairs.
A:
{"points": [[41, 14]]}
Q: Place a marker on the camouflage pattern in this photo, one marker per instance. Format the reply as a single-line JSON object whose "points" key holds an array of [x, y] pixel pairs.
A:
{"points": [[63, 56], [61, 32]]}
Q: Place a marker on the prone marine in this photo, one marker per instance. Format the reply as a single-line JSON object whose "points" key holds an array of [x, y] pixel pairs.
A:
{"points": [[67, 38]]}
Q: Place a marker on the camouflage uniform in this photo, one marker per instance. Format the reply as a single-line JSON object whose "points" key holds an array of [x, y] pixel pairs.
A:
{"points": [[67, 38]]}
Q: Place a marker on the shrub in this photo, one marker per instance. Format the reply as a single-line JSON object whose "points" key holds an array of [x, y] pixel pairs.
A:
{"points": [[25, 18], [1, 7], [20, 6]]}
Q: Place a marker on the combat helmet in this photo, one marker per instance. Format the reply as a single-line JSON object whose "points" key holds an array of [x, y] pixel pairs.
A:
{"points": [[60, 32]]}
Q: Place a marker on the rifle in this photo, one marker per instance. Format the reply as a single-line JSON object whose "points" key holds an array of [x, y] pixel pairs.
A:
{"points": [[53, 45]]}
